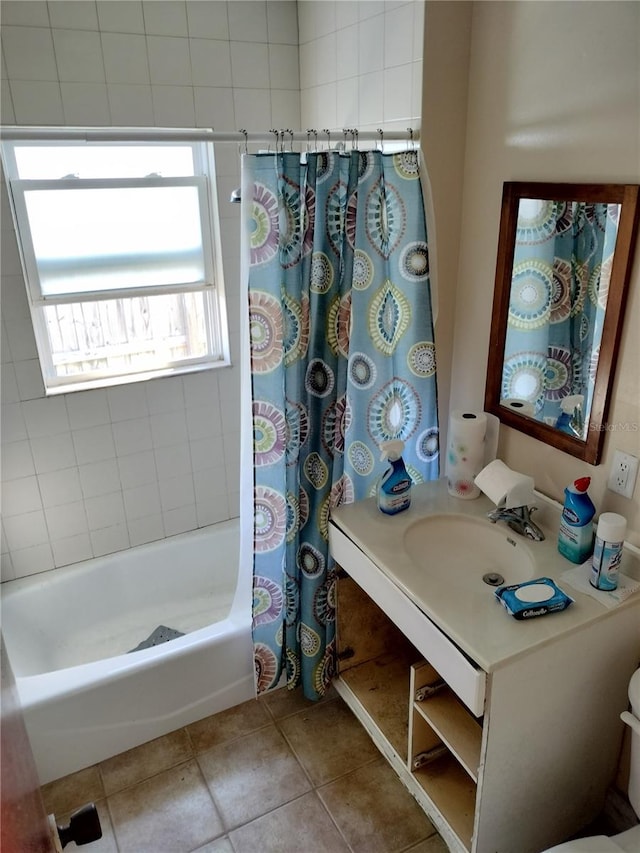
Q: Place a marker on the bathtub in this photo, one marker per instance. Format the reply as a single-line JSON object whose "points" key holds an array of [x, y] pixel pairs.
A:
{"points": [[69, 632]]}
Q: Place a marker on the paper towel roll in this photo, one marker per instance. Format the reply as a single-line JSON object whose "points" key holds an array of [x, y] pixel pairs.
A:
{"points": [[505, 487], [524, 407], [465, 452]]}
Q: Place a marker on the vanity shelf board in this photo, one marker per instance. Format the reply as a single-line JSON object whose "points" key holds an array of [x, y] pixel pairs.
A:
{"points": [[451, 722], [448, 718], [452, 792], [460, 733], [381, 686]]}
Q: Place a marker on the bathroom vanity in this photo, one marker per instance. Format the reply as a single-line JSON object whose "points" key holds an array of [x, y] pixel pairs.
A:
{"points": [[506, 732]]}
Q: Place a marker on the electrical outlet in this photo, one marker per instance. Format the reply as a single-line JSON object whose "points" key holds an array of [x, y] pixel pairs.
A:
{"points": [[623, 473]]}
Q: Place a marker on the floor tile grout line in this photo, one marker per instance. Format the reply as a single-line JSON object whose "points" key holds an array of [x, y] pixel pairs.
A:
{"points": [[213, 801], [279, 722], [151, 776], [333, 820], [311, 706], [113, 825], [296, 756], [343, 776], [224, 832], [380, 758], [248, 733], [193, 754], [228, 832], [223, 837], [228, 829], [197, 752], [193, 750], [181, 760], [316, 785]]}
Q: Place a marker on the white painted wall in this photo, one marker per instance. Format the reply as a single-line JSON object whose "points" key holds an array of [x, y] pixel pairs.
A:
{"points": [[553, 95], [93, 472]]}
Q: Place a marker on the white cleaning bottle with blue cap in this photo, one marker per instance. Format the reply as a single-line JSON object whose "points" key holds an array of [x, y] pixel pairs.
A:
{"points": [[394, 487]]}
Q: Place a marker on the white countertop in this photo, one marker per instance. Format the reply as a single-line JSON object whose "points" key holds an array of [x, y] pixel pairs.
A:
{"points": [[472, 616]]}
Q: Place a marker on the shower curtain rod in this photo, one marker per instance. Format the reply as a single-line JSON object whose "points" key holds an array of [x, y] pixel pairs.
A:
{"points": [[280, 137]]}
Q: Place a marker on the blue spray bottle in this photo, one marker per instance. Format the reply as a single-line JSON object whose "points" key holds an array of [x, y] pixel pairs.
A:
{"points": [[394, 487], [575, 537]]}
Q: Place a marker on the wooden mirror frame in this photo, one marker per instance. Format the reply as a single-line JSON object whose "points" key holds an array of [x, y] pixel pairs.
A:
{"points": [[627, 195]]}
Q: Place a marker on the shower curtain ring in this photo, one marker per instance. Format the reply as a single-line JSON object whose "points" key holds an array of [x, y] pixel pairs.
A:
{"points": [[328, 132], [381, 133], [411, 145], [308, 140], [275, 133], [291, 134], [246, 139]]}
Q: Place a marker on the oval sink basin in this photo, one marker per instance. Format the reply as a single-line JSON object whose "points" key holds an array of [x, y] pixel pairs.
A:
{"points": [[458, 549]]}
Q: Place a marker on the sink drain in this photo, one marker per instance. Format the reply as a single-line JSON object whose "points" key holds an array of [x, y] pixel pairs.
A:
{"points": [[493, 579]]}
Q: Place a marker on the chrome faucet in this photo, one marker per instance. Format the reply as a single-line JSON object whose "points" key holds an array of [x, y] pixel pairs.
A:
{"points": [[519, 519]]}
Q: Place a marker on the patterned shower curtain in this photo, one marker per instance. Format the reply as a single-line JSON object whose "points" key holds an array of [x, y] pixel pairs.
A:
{"points": [[561, 272], [342, 358]]}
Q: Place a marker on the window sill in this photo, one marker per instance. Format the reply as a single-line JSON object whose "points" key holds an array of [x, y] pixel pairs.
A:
{"points": [[111, 381]]}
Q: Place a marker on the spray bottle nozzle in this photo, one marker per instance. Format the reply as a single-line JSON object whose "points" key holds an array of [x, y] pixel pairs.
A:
{"points": [[391, 450], [571, 403], [582, 484]]}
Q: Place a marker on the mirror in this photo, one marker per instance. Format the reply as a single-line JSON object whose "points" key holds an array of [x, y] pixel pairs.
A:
{"points": [[564, 260]]}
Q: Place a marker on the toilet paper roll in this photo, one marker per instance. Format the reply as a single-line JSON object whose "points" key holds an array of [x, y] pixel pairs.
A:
{"points": [[491, 438], [505, 487], [465, 452], [524, 407]]}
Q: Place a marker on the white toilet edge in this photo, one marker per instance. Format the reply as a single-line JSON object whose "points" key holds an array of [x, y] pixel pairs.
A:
{"points": [[625, 842]]}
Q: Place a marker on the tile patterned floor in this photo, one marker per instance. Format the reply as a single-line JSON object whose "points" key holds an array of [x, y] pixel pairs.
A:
{"points": [[276, 775]]}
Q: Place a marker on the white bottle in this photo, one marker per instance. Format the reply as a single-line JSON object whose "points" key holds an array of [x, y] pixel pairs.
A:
{"points": [[607, 553]]}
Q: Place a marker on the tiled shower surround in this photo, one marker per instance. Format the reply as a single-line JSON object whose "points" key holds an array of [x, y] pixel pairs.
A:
{"points": [[92, 472], [89, 473]]}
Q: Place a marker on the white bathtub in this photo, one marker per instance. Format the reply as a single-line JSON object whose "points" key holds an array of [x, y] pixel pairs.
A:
{"points": [[68, 633]]}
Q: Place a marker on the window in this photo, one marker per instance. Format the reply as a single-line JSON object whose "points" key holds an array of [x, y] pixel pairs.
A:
{"points": [[120, 252]]}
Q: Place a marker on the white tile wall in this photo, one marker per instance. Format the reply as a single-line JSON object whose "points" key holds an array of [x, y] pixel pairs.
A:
{"points": [[121, 16], [281, 24], [78, 55], [29, 53], [53, 453], [130, 106], [250, 65], [210, 62], [79, 16], [248, 21], [376, 78], [36, 102], [30, 14], [209, 20], [125, 58], [96, 471]]}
